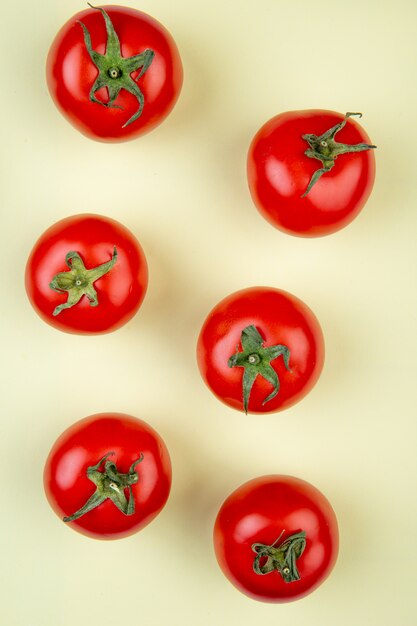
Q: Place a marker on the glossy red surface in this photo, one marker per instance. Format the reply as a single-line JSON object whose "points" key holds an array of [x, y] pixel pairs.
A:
{"points": [[71, 74], [281, 318], [83, 444], [120, 291], [278, 174], [258, 512]]}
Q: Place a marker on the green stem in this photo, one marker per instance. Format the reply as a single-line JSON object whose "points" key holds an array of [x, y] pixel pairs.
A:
{"points": [[281, 558], [114, 70], [78, 281], [110, 483], [326, 149], [256, 360]]}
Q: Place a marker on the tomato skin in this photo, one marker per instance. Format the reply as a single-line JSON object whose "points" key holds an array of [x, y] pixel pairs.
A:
{"points": [[278, 173], [120, 291], [258, 512], [281, 318], [67, 486], [70, 74]]}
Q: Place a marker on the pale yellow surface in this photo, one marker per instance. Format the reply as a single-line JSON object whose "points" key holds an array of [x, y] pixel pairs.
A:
{"points": [[182, 190]]}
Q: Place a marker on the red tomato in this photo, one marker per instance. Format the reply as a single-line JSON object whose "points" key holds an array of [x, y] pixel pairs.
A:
{"points": [[115, 73], [260, 350], [108, 475], [276, 538], [86, 274], [295, 178]]}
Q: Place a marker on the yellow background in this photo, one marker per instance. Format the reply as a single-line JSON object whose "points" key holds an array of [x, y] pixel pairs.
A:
{"points": [[182, 191]]}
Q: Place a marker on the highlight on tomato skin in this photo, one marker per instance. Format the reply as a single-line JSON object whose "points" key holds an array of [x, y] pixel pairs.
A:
{"points": [[114, 72], [108, 475], [260, 350], [276, 538], [86, 274], [311, 172]]}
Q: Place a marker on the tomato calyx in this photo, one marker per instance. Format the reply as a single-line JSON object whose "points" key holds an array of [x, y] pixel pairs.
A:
{"points": [[326, 149], [111, 484], [114, 70], [78, 281], [256, 360], [281, 558]]}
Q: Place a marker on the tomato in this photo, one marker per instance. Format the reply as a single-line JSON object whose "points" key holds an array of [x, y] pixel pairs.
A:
{"points": [[108, 475], [115, 73], [86, 274], [260, 350], [310, 172], [276, 538]]}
